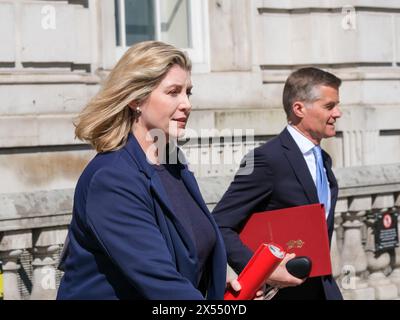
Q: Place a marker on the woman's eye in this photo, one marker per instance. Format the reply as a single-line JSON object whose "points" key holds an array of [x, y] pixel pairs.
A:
{"points": [[189, 93]]}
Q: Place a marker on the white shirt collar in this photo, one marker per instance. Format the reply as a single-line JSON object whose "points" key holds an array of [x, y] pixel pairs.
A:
{"points": [[302, 142]]}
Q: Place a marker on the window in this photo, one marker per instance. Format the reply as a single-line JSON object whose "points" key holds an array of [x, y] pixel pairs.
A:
{"points": [[179, 22]]}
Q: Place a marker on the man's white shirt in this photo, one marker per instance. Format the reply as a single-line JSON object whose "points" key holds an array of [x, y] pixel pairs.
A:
{"points": [[306, 146]]}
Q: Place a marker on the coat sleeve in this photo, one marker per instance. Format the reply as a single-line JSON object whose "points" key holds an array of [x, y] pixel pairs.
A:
{"points": [[251, 187], [119, 212]]}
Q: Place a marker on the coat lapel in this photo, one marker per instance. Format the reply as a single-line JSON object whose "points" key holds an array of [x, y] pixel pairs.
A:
{"points": [[330, 174], [138, 155], [299, 166], [160, 193], [333, 187], [219, 253]]}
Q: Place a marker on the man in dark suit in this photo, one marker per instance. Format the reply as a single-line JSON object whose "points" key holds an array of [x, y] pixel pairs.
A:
{"points": [[289, 170]]}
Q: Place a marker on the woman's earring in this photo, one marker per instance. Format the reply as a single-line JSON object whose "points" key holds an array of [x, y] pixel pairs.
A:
{"points": [[138, 111]]}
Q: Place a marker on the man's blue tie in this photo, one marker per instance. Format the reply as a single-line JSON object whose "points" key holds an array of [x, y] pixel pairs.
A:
{"points": [[322, 181]]}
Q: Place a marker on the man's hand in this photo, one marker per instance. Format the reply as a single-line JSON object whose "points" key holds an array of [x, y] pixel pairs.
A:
{"points": [[281, 278]]}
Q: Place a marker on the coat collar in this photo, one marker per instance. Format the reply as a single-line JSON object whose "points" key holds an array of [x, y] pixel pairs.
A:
{"points": [[296, 160], [139, 157]]}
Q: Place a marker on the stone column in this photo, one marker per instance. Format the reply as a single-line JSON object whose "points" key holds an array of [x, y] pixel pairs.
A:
{"points": [[46, 242], [379, 262], [12, 245], [341, 206], [353, 255], [10, 274], [335, 255]]}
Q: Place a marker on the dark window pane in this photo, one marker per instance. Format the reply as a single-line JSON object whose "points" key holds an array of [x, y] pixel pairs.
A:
{"points": [[139, 20], [117, 31]]}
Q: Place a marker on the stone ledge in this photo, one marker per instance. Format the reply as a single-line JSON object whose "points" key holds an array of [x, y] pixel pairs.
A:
{"points": [[55, 220], [346, 72], [354, 181], [53, 208], [35, 77], [36, 209], [321, 4], [376, 175]]}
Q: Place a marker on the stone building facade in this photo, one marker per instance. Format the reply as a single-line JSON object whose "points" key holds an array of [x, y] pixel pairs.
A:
{"points": [[55, 54]]}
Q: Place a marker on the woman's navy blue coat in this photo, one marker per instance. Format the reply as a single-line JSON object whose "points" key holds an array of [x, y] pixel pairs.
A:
{"points": [[125, 241]]}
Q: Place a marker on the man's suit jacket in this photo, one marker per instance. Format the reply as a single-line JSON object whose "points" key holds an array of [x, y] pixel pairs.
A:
{"points": [[125, 241], [280, 179]]}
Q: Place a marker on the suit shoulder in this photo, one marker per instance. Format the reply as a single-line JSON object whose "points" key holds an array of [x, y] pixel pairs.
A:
{"points": [[110, 164], [101, 161], [263, 156], [269, 148]]}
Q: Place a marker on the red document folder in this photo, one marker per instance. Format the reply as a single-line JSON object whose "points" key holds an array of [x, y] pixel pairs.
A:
{"points": [[261, 265], [301, 230]]}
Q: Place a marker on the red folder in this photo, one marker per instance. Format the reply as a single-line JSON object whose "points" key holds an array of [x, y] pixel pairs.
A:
{"points": [[301, 230], [261, 265]]}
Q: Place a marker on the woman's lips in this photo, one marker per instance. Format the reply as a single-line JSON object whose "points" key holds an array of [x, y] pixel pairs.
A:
{"points": [[181, 122]]}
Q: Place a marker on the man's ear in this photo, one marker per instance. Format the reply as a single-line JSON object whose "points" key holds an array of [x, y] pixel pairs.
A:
{"points": [[298, 109]]}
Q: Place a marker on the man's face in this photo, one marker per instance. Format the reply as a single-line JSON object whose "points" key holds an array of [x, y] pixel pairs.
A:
{"points": [[319, 116]]}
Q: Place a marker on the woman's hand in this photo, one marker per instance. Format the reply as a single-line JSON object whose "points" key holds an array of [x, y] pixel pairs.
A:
{"points": [[260, 293], [235, 285]]}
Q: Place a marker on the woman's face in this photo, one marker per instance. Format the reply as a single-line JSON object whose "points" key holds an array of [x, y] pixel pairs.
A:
{"points": [[168, 106]]}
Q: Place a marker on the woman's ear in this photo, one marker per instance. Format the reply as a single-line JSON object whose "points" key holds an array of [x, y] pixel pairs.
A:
{"points": [[133, 105]]}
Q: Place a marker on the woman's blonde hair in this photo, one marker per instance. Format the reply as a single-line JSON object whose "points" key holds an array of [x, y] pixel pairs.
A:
{"points": [[107, 119]]}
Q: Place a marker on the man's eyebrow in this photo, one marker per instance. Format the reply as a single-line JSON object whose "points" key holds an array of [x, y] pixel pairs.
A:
{"points": [[332, 102]]}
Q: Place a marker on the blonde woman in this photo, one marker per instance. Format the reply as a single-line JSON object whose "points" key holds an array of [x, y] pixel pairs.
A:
{"points": [[140, 227]]}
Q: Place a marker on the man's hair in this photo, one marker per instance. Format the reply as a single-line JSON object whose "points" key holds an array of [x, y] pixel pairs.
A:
{"points": [[301, 85]]}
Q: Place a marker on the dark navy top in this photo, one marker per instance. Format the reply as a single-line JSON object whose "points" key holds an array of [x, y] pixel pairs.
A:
{"points": [[189, 214]]}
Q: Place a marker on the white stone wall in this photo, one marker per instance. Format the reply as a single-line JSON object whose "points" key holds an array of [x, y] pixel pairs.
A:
{"points": [[47, 75], [51, 57], [252, 56], [291, 34]]}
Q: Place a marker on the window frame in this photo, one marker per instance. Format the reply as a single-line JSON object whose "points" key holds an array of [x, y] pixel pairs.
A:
{"points": [[199, 53]]}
